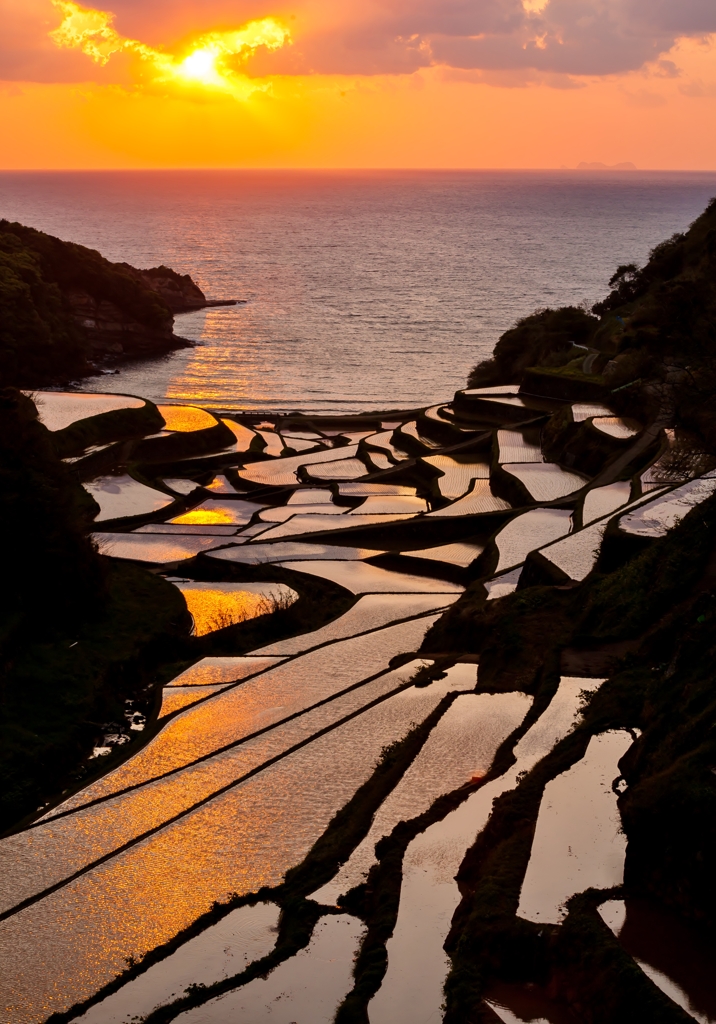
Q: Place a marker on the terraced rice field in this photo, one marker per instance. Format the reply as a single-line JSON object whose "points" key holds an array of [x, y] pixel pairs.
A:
{"points": [[186, 418], [252, 757], [513, 447], [527, 532], [57, 410], [615, 426], [478, 500], [457, 474], [546, 482], [122, 495]]}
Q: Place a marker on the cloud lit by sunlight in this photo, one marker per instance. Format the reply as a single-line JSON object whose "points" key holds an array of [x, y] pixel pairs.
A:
{"points": [[209, 62], [534, 6]]}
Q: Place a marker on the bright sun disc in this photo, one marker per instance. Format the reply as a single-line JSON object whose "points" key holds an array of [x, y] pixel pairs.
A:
{"points": [[200, 66]]}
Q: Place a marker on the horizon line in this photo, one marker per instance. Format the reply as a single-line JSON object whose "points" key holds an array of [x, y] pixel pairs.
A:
{"points": [[356, 169]]}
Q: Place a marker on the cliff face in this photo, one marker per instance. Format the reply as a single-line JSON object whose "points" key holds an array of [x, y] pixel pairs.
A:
{"points": [[64, 307], [178, 291]]}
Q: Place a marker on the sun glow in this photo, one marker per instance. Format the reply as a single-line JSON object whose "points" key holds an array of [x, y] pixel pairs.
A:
{"points": [[211, 61], [200, 66]]}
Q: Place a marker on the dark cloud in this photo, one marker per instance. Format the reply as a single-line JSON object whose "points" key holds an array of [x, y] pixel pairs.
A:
{"points": [[567, 37]]}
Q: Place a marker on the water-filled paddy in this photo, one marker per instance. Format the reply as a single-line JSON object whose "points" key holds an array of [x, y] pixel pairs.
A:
{"points": [[546, 482], [513, 447], [368, 488], [460, 748], [58, 409], [615, 426], [461, 554], [186, 418], [372, 611], [122, 495], [315, 523], [654, 518], [157, 548], [361, 578], [417, 963], [139, 899], [223, 950], [457, 473], [55, 849], [582, 411], [208, 671], [215, 512], [528, 531], [189, 529], [341, 469], [284, 512], [479, 499], [243, 435], [286, 689], [282, 472], [216, 605], [258, 553], [273, 445], [309, 987], [382, 504], [221, 487], [578, 842], [174, 698], [601, 501], [674, 956]]}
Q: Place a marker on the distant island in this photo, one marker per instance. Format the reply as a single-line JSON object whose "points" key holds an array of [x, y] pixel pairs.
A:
{"points": [[595, 165]]}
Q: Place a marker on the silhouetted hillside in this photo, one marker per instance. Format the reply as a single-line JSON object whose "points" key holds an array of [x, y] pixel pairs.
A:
{"points": [[63, 306]]}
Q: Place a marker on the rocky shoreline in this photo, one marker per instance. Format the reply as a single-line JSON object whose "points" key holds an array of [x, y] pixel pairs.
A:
{"points": [[67, 311]]}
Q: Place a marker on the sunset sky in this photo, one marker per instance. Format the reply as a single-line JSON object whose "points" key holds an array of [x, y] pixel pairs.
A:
{"points": [[358, 83]]}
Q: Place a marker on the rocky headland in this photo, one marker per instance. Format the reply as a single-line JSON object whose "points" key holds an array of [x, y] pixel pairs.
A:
{"points": [[65, 309]]}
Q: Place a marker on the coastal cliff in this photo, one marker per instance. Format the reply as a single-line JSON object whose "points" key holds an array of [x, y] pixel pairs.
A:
{"points": [[65, 309]]}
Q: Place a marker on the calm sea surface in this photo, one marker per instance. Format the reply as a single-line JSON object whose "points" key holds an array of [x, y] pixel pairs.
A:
{"points": [[364, 290]]}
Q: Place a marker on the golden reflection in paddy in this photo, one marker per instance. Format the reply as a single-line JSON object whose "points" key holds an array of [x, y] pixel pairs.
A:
{"points": [[185, 418], [258, 703], [65, 947], [216, 608], [205, 517], [174, 698], [55, 850], [222, 670]]}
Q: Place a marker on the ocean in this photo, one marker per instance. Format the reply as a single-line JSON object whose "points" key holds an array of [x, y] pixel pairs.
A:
{"points": [[363, 290]]}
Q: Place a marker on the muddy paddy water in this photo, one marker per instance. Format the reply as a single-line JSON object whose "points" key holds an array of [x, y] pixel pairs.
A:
{"points": [[272, 786]]}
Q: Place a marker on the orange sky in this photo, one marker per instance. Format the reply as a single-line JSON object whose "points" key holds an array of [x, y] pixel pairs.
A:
{"points": [[387, 83]]}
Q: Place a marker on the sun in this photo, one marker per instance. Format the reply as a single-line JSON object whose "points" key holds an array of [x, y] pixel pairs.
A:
{"points": [[200, 66]]}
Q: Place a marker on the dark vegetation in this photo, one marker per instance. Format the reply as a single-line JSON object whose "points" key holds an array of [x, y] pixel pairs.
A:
{"points": [[84, 639], [63, 306], [78, 634], [654, 336]]}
